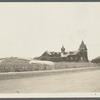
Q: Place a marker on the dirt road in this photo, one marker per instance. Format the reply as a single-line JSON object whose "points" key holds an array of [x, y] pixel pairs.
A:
{"points": [[85, 81]]}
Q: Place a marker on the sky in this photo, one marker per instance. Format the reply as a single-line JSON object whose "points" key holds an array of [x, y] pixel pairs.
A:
{"points": [[29, 29]]}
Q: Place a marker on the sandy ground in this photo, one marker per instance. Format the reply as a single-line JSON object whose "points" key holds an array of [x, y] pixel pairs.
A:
{"points": [[85, 81]]}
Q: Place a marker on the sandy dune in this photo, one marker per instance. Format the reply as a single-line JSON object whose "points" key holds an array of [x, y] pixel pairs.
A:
{"points": [[41, 62]]}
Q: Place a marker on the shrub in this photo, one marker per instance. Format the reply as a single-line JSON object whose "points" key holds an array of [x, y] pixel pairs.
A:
{"points": [[15, 64], [96, 60]]}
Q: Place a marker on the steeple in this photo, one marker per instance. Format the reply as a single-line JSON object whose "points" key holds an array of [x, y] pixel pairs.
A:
{"points": [[82, 46]]}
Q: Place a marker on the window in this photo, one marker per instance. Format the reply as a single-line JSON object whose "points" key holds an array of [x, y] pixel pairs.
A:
{"points": [[81, 58], [71, 58]]}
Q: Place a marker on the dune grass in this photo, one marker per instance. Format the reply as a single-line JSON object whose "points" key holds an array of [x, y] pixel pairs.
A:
{"points": [[14, 64]]}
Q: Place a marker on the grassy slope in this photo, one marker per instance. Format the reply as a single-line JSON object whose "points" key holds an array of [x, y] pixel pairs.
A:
{"points": [[14, 64], [62, 65]]}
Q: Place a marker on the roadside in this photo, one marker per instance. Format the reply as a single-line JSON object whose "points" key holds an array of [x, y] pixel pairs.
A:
{"points": [[17, 75], [79, 81]]}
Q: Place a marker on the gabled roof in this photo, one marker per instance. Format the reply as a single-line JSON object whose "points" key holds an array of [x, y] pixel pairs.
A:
{"points": [[70, 53], [74, 53], [64, 55], [47, 53]]}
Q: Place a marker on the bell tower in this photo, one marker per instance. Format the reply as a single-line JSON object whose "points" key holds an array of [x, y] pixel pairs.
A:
{"points": [[82, 47], [63, 50], [83, 51]]}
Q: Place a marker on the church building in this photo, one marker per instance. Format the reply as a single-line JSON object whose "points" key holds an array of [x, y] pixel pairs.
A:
{"points": [[73, 56]]}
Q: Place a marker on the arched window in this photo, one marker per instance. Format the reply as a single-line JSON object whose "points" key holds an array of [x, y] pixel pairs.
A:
{"points": [[81, 58]]}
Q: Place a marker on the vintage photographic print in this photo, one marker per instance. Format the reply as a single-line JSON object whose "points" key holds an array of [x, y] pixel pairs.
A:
{"points": [[49, 47]]}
